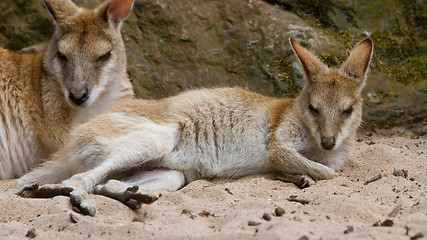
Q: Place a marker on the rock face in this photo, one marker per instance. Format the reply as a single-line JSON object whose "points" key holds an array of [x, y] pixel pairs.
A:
{"points": [[177, 45]]}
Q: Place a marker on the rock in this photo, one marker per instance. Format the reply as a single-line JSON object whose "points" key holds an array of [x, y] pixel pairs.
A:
{"points": [[178, 45]]}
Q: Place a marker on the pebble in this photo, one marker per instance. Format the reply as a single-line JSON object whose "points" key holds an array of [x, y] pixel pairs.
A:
{"points": [[74, 218], [252, 223], [279, 211], [266, 216], [349, 229], [31, 233]]}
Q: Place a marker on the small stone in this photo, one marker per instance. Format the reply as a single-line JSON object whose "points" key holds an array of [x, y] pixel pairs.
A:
{"points": [[31, 233], [400, 173], [303, 238], [417, 236], [266, 216], [228, 191], [387, 223], [253, 223], [348, 230], [188, 213], [74, 218], [279, 211]]}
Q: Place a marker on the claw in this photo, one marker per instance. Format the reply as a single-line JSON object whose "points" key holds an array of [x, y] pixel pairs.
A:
{"points": [[75, 199], [31, 187], [80, 201], [133, 204], [133, 188], [144, 198], [303, 183], [88, 210], [27, 191]]}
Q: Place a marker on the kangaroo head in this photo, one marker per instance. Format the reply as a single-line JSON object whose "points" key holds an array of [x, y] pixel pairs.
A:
{"points": [[86, 52], [330, 103]]}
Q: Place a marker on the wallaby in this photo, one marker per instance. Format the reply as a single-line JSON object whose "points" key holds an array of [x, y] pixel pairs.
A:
{"points": [[209, 133], [81, 72]]}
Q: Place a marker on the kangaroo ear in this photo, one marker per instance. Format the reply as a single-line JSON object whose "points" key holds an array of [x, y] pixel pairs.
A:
{"points": [[310, 65], [60, 9], [358, 59], [115, 11]]}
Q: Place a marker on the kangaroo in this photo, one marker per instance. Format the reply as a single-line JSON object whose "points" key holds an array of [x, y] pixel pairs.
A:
{"points": [[211, 133], [81, 72]]}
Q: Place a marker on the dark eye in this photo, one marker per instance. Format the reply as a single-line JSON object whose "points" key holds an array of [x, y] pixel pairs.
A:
{"points": [[61, 56], [348, 111], [104, 57], [313, 109]]}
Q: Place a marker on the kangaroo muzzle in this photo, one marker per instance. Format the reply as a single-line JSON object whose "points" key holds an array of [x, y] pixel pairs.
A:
{"points": [[79, 98], [328, 142]]}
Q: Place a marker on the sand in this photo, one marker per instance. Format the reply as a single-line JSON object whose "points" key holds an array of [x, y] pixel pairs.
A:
{"points": [[341, 208]]}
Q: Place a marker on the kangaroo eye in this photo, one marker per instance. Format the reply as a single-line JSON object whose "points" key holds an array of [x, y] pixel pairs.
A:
{"points": [[313, 109], [104, 57], [348, 111], [61, 56]]}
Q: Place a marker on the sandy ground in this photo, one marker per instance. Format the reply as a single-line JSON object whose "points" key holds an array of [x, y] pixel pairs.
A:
{"points": [[342, 208]]}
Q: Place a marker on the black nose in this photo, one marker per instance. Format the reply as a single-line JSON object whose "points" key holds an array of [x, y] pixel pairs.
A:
{"points": [[79, 100], [328, 142]]}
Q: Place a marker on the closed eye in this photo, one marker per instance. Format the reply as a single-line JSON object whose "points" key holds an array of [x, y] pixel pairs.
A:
{"points": [[348, 111], [104, 57], [61, 56], [313, 109]]}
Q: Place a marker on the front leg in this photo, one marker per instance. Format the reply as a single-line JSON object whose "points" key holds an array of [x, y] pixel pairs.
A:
{"points": [[287, 161]]}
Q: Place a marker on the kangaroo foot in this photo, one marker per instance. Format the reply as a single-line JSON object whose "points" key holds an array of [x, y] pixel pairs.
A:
{"points": [[44, 191], [131, 197]]}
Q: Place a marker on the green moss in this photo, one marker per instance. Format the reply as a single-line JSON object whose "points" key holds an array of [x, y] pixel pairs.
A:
{"points": [[401, 53], [331, 60], [286, 77]]}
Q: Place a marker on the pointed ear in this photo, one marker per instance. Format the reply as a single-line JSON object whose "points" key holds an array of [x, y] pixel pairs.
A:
{"points": [[60, 9], [310, 65], [115, 11], [358, 59]]}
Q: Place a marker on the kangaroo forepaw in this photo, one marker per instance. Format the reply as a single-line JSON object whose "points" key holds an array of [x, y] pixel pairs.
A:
{"points": [[45, 191], [304, 182], [301, 181], [131, 197]]}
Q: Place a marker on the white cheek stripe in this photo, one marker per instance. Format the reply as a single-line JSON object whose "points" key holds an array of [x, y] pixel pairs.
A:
{"points": [[103, 96]]}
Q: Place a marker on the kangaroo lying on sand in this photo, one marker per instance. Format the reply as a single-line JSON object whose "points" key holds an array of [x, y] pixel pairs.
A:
{"points": [[224, 132], [80, 73]]}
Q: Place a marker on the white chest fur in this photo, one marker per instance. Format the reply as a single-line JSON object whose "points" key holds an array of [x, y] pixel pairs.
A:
{"points": [[114, 92]]}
